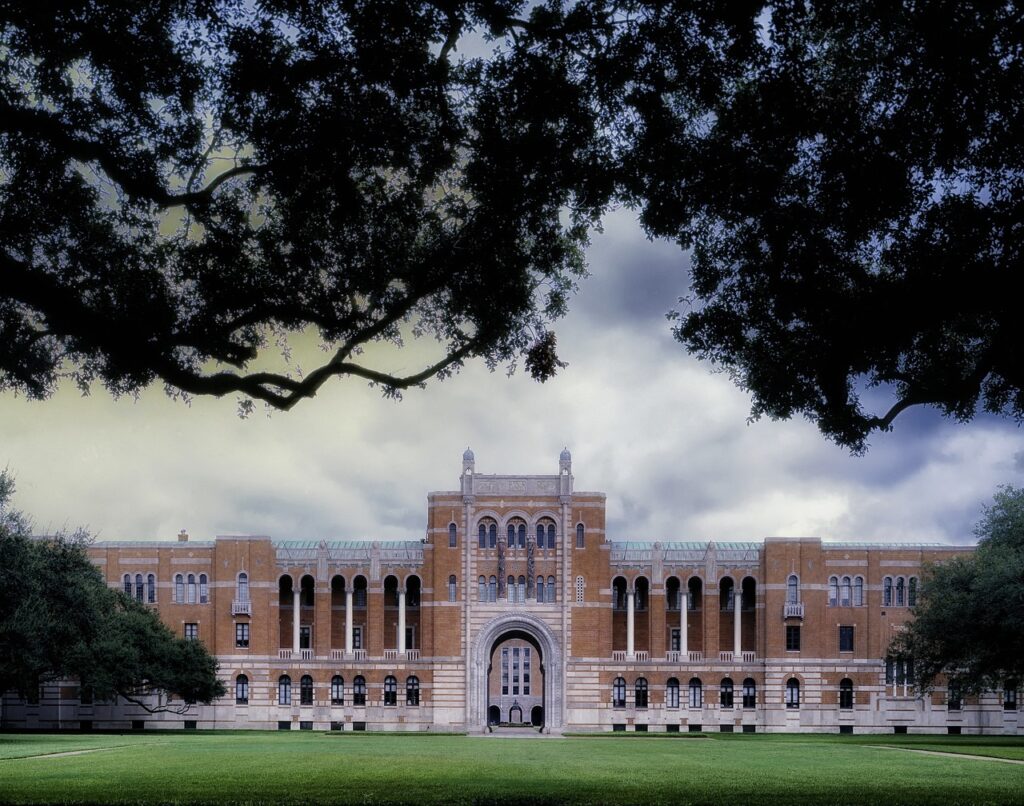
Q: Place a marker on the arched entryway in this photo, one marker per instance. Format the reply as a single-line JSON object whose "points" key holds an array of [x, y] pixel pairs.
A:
{"points": [[537, 716], [546, 671]]}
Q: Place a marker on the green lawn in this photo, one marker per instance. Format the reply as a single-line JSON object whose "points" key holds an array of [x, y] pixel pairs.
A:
{"points": [[255, 767]]}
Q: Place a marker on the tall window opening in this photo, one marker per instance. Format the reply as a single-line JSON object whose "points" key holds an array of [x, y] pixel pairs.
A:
{"points": [[672, 693]]}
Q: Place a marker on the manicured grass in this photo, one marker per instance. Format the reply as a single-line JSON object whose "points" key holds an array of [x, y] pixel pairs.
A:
{"points": [[254, 767]]}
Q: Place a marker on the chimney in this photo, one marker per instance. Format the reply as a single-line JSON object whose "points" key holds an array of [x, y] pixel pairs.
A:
{"points": [[183, 536]]}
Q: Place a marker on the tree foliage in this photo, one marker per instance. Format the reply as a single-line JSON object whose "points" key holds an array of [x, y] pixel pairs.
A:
{"points": [[967, 623], [58, 619], [183, 185]]}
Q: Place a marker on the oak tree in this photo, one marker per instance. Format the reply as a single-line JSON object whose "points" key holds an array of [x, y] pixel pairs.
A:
{"points": [[966, 626], [59, 620]]}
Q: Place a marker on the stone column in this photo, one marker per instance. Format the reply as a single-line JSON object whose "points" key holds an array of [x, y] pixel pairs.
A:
{"points": [[737, 625], [349, 599], [401, 620], [684, 619], [630, 607], [296, 620]]}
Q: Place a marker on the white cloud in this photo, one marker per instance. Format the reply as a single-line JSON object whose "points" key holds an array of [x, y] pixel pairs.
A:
{"points": [[661, 434]]}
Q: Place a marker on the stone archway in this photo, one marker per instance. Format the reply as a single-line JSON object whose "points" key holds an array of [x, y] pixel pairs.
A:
{"points": [[551, 658]]}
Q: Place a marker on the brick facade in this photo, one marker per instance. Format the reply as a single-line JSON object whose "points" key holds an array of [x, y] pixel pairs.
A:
{"points": [[523, 562]]}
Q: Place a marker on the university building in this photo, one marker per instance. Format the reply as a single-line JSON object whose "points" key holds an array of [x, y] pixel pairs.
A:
{"points": [[518, 608]]}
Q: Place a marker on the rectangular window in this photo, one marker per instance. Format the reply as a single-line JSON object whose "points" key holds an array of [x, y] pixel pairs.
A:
{"points": [[526, 671], [1010, 697], [242, 634], [675, 641], [357, 637], [504, 671], [305, 726], [792, 639], [515, 670], [410, 637], [846, 639], [191, 632], [304, 637]]}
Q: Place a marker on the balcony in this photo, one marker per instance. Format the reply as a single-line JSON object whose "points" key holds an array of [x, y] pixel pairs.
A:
{"points": [[284, 654], [793, 610], [392, 654], [337, 654], [412, 654], [641, 656], [737, 657], [306, 654], [240, 608]]}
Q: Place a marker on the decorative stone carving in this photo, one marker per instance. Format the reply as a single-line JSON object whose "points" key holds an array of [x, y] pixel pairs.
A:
{"points": [[530, 567], [501, 567]]}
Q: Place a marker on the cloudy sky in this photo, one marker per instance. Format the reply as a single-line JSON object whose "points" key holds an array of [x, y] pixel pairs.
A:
{"points": [[665, 437]]}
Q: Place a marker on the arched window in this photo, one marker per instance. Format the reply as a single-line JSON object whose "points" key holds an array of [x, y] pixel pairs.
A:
{"points": [[540, 589], [696, 693], [640, 587], [748, 593], [359, 591], [482, 588], [510, 588], [540, 535], [726, 588], [179, 589], [337, 690], [140, 588], [412, 690], [359, 690], [912, 592], [901, 593], [241, 690], [492, 535], [127, 583], [521, 589], [725, 692], [619, 588], [887, 592], [284, 690], [552, 592], [306, 690], [833, 591], [846, 693], [482, 536], [453, 536], [390, 690], [191, 589], [792, 693], [694, 590], [844, 592], [242, 587], [619, 693], [672, 693], [672, 597], [204, 590], [580, 587], [492, 589], [792, 589], [521, 530], [452, 588], [749, 693], [551, 535], [858, 592], [151, 589], [511, 536], [640, 692], [580, 535]]}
